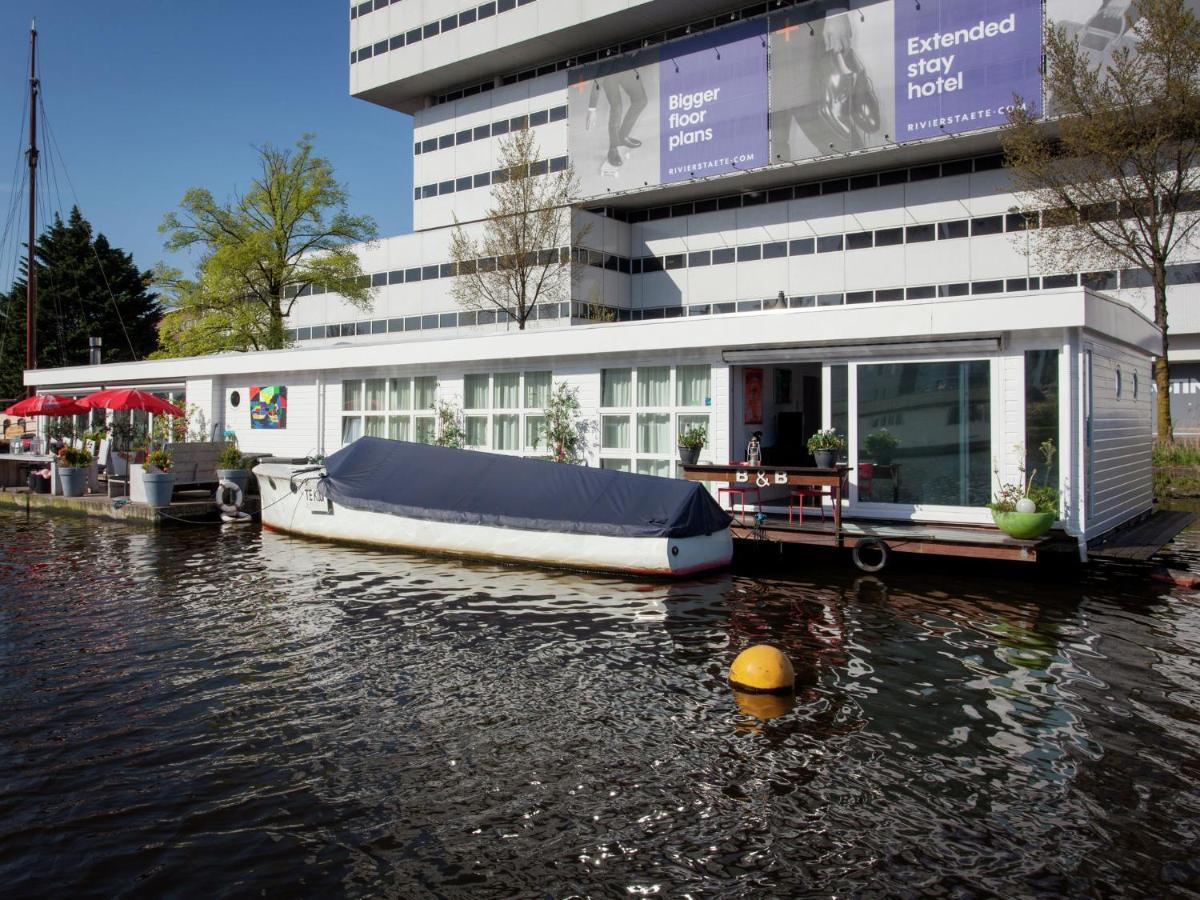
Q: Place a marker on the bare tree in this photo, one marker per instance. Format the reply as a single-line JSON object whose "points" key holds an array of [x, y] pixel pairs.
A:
{"points": [[524, 254], [1114, 174]]}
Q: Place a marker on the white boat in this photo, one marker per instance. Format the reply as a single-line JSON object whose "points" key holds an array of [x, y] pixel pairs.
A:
{"points": [[467, 503]]}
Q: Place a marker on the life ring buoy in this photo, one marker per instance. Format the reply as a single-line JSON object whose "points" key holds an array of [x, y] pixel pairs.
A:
{"points": [[233, 507], [870, 543]]}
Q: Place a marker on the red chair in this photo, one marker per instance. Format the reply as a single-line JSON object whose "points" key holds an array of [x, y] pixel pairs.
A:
{"points": [[740, 492], [803, 493], [866, 480]]}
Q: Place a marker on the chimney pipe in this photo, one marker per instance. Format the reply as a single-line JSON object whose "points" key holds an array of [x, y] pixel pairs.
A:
{"points": [[94, 351]]}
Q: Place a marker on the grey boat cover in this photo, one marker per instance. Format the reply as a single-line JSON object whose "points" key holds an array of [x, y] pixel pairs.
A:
{"points": [[469, 487]]}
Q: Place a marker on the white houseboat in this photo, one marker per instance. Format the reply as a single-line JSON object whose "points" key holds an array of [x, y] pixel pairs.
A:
{"points": [[815, 253]]}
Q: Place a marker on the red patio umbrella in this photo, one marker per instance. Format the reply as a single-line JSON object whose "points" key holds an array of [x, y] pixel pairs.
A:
{"points": [[130, 398], [46, 405]]}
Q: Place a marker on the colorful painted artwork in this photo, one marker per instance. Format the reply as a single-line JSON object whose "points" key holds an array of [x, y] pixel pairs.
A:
{"points": [[268, 407], [753, 385]]}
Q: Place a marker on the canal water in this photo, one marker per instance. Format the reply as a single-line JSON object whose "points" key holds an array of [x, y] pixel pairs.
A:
{"points": [[208, 712]]}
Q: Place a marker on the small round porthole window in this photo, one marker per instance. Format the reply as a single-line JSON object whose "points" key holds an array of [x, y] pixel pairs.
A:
{"points": [[1118, 384], [235, 398]]}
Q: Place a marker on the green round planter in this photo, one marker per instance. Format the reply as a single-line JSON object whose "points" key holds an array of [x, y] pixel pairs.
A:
{"points": [[1023, 526]]}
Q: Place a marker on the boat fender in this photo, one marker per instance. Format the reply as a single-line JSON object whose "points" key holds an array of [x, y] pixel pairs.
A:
{"points": [[762, 669], [234, 506], [240, 518], [1175, 577], [870, 543]]}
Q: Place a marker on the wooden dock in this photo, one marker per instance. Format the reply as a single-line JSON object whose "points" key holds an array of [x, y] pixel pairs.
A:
{"points": [[979, 542], [1142, 539], [186, 507]]}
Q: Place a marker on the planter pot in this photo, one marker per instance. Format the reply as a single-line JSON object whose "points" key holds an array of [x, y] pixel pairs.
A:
{"points": [[825, 458], [884, 459], [38, 484], [74, 481], [158, 486], [240, 477], [1023, 526], [689, 455]]}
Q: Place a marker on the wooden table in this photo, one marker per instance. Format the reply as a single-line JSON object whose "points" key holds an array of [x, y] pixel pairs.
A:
{"points": [[778, 476]]}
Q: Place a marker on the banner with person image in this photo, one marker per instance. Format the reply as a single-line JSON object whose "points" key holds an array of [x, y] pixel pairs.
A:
{"points": [[821, 78], [692, 108]]}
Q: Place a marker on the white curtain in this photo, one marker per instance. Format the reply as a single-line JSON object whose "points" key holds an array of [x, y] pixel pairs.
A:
{"points": [[425, 389], [659, 467], [477, 427], [615, 388], [475, 392], [376, 394], [376, 426], [533, 432], [399, 428], [654, 386], [351, 428], [537, 390], [401, 397], [424, 429], [654, 433], [507, 388], [692, 386], [618, 465], [614, 432], [505, 433], [351, 395]]}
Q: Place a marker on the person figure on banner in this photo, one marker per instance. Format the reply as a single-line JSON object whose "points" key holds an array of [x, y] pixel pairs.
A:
{"points": [[620, 81]]}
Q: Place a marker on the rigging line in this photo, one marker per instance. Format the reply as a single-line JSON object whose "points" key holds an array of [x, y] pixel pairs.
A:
{"points": [[19, 176], [48, 274], [100, 265], [4, 247], [52, 171]]}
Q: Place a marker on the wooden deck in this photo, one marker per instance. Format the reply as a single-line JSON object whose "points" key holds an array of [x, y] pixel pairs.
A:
{"points": [[186, 507], [1141, 540], [979, 542]]}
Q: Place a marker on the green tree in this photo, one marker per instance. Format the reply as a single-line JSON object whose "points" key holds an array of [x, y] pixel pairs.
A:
{"points": [[1116, 175], [86, 288], [262, 248]]}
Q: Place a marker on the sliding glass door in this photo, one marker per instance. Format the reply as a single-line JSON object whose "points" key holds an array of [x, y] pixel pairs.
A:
{"points": [[924, 433]]}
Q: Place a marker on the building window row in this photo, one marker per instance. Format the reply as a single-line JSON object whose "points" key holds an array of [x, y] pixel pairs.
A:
{"points": [[649, 40], [585, 313], [805, 190], [484, 179], [429, 29], [490, 130]]}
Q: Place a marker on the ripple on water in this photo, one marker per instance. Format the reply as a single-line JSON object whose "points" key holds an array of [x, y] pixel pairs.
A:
{"points": [[225, 711]]}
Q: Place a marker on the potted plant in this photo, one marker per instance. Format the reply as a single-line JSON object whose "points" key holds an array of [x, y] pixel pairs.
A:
{"points": [[1024, 510], [231, 467], [72, 470], [824, 446], [881, 446], [157, 478], [690, 444]]}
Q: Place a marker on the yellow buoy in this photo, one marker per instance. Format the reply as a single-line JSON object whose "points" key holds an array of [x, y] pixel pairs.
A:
{"points": [[764, 669]]}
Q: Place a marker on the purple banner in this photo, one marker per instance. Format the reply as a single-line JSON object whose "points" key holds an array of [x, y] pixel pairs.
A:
{"points": [[713, 103], [958, 64]]}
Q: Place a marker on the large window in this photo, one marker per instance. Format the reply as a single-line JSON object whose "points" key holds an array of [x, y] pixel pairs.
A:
{"points": [[396, 408], [924, 433], [1041, 415], [505, 411], [643, 412]]}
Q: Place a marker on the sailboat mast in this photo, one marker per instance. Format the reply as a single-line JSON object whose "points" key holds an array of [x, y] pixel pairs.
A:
{"points": [[32, 157]]}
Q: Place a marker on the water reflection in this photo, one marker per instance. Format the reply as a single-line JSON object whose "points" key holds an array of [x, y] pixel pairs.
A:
{"points": [[252, 711]]}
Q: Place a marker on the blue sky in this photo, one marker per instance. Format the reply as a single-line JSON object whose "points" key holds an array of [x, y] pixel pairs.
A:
{"points": [[146, 98]]}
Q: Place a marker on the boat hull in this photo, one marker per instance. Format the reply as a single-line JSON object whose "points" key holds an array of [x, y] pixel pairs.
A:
{"points": [[290, 503]]}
